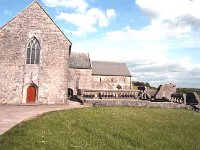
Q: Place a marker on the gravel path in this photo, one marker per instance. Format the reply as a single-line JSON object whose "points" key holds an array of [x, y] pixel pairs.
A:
{"points": [[10, 115]]}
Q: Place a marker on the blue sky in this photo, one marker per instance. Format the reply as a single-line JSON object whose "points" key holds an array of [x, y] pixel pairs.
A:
{"points": [[158, 39]]}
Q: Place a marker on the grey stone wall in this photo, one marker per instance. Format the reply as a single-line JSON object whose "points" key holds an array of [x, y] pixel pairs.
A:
{"points": [[50, 75], [165, 91], [79, 79], [110, 82], [83, 79], [139, 103]]}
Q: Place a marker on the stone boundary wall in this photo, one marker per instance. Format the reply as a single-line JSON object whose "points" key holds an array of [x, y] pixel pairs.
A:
{"points": [[138, 103]]}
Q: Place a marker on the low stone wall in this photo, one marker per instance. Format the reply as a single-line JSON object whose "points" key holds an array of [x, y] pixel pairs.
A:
{"points": [[108, 94], [128, 102]]}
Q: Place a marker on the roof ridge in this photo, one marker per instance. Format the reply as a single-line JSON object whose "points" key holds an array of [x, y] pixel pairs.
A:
{"points": [[109, 62], [79, 53]]}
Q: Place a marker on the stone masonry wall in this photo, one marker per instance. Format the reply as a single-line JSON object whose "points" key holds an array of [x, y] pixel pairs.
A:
{"points": [[138, 103], [79, 78], [50, 75], [165, 91], [110, 82], [83, 79]]}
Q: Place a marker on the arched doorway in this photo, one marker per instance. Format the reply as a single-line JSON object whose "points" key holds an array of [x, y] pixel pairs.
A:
{"points": [[31, 94], [70, 93]]}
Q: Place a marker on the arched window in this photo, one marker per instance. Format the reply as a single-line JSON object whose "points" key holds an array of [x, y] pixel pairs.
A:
{"points": [[33, 52]]}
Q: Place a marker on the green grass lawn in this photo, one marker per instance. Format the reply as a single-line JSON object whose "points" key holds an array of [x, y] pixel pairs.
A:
{"points": [[107, 128]]}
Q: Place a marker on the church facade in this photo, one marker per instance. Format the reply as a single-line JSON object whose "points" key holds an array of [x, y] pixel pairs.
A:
{"points": [[37, 66]]}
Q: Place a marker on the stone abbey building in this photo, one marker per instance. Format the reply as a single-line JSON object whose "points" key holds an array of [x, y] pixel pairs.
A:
{"points": [[37, 65]]}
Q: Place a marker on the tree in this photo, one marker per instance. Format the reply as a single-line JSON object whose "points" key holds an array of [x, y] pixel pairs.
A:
{"points": [[139, 83]]}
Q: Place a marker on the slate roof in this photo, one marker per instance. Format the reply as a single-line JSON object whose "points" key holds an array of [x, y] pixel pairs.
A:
{"points": [[79, 61], [110, 69]]}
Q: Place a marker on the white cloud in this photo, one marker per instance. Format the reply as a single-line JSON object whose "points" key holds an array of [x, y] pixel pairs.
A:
{"points": [[178, 15], [85, 18], [79, 5], [147, 33], [110, 13], [88, 21], [170, 20], [170, 9], [156, 31], [185, 74], [103, 49]]}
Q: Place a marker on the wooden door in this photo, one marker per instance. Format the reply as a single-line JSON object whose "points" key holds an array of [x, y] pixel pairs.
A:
{"points": [[31, 94]]}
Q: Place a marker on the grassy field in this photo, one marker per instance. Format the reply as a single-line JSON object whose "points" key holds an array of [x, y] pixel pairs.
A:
{"points": [[117, 128]]}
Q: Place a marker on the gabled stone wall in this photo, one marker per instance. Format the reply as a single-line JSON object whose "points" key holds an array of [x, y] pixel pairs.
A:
{"points": [[50, 76]]}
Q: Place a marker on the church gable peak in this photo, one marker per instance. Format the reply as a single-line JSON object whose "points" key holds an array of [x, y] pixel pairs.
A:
{"points": [[21, 12], [36, 9]]}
